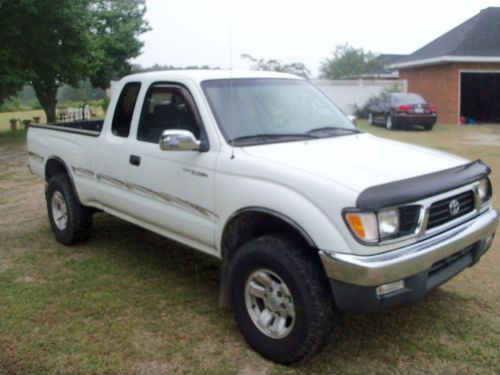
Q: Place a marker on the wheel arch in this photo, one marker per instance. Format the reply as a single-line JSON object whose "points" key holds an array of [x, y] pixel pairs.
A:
{"points": [[56, 165], [252, 222]]}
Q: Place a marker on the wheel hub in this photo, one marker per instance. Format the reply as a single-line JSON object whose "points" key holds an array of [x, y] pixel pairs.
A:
{"points": [[59, 211], [269, 303]]}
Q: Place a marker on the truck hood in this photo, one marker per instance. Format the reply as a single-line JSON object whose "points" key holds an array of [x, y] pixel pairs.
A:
{"points": [[356, 161]]}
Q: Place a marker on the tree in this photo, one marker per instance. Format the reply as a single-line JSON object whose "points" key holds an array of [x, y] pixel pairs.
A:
{"points": [[347, 62], [63, 42], [12, 76], [117, 25], [296, 68]]}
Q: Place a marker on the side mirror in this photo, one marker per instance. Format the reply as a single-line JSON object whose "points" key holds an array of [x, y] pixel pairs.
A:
{"points": [[178, 140]]}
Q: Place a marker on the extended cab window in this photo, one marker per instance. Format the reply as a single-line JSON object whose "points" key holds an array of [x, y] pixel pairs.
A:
{"points": [[166, 107], [125, 109]]}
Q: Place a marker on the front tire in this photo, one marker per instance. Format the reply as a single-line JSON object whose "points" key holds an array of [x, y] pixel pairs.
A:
{"points": [[70, 221], [281, 299]]}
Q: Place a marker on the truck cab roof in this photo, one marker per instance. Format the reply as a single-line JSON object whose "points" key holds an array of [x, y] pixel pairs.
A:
{"points": [[203, 75]]}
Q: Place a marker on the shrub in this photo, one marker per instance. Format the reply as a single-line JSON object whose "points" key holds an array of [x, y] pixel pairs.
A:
{"points": [[363, 111], [11, 106], [34, 104], [105, 104]]}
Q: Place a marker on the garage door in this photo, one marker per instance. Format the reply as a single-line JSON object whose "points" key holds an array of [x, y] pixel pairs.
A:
{"points": [[480, 97]]}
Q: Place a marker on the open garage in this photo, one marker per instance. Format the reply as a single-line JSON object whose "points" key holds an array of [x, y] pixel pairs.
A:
{"points": [[480, 96], [460, 70]]}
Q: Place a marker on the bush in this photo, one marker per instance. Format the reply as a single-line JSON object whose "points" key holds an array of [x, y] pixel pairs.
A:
{"points": [[34, 104], [11, 106], [363, 111], [105, 104]]}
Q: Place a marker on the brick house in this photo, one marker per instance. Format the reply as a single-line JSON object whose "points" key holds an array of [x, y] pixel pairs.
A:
{"points": [[460, 70]]}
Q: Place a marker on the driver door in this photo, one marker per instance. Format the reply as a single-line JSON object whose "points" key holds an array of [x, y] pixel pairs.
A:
{"points": [[172, 191]]}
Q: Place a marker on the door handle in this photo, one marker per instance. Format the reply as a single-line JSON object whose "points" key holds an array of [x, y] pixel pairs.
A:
{"points": [[135, 160]]}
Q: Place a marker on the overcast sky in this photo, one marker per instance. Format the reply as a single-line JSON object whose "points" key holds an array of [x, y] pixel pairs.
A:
{"points": [[197, 32]]}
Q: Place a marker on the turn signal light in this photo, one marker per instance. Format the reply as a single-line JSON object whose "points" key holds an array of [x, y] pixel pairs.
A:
{"points": [[364, 225]]}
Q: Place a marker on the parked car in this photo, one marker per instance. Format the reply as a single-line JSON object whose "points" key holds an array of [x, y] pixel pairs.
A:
{"points": [[308, 215], [403, 110]]}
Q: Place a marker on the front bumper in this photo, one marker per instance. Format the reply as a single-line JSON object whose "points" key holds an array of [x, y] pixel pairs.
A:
{"points": [[423, 266]]}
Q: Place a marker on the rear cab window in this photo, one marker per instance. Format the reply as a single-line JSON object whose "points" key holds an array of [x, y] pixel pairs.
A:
{"points": [[122, 118]]}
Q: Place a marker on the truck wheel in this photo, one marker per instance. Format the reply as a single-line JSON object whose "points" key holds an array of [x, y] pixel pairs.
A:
{"points": [[281, 299], [70, 221], [428, 127]]}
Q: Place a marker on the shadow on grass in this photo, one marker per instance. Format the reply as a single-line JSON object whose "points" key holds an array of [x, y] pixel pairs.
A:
{"points": [[373, 337]]}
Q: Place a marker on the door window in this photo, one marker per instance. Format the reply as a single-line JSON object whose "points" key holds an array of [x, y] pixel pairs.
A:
{"points": [[167, 107], [125, 109]]}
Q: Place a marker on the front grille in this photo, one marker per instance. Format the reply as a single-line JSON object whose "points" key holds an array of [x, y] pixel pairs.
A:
{"points": [[439, 212], [408, 219]]}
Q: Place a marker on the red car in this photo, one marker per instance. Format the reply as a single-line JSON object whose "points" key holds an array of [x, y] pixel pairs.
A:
{"points": [[403, 110]]}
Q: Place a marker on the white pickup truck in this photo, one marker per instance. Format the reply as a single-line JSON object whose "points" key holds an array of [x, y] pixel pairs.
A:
{"points": [[308, 215]]}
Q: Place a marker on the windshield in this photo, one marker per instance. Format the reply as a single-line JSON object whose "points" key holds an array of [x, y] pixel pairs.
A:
{"points": [[264, 110]]}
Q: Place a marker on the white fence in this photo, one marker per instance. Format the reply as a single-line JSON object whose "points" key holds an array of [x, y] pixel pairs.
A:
{"points": [[350, 93]]}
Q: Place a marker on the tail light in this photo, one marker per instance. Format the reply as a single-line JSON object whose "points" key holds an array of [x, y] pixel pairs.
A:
{"points": [[433, 108], [404, 108]]}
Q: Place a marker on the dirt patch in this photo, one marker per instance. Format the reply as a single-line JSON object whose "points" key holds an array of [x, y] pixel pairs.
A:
{"points": [[6, 264], [155, 368], [480, 139], [147, 342], [29, 280], [251, 370]]}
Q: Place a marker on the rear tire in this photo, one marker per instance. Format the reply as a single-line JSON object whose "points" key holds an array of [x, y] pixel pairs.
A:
{"points": [[428, 127], [281, 299], [70, 221]]}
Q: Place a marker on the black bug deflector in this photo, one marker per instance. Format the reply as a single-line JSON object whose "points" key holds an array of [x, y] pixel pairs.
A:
{"points": [[416, 188]]}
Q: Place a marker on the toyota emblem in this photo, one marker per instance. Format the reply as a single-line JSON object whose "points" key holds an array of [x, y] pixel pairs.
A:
{"points": [[454, 207]]}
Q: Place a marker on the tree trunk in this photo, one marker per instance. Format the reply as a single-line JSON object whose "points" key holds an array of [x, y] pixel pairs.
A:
{"points": [[46, 94]]}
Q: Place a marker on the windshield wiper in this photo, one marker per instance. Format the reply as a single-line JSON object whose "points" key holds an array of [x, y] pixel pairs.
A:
{"points": [[332, 130], [270, 136]]}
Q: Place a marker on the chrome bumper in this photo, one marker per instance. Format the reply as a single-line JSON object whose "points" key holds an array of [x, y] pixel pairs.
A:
{"points": [[401, 263]]}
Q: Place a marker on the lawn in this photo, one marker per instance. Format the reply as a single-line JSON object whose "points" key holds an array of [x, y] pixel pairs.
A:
{"points": [[28, 115], [21, 115], [131, 302]]}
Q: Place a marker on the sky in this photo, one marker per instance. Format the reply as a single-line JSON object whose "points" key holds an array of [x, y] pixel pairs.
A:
{"points": [[216, 33]]}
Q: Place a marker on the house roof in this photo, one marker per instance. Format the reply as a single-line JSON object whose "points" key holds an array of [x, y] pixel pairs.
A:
{"points": [[475, 40]]}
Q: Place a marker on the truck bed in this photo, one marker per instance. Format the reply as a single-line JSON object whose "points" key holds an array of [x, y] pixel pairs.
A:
{"points": [[86, 127]]}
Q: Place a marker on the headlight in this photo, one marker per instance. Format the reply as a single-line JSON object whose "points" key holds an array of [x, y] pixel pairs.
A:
{"points": [[372, 227], [388, 223], [484, 190]]}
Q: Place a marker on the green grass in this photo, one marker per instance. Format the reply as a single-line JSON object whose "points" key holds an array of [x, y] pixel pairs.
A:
{"points": [[28, 115], [20, 115], [131, 302]]}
